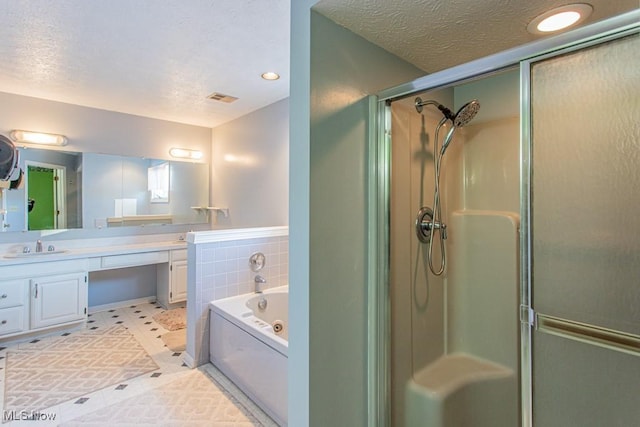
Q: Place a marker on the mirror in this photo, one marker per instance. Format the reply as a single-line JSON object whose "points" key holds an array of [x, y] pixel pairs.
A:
{"points": [[140, 191], [49, 197], [67, 190]]}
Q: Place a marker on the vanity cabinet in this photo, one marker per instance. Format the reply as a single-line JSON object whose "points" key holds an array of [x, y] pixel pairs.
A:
{"points": [[58, 299], [46, 291], [172, 279], [40, 296], [178, 288]]}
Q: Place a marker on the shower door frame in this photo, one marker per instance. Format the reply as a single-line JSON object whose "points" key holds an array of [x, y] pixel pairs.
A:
{"points": [[379, 179]]}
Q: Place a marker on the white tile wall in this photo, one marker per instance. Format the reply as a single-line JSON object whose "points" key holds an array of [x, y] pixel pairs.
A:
{"points": [[221, 271], [225, 271]]}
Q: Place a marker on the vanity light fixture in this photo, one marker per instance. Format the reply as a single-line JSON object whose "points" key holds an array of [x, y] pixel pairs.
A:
{"points": [[270, 75], [559, 18], [28, 137], [185, 153]]}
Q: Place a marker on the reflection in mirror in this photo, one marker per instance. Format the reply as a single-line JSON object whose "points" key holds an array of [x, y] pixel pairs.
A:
{"points": [[50, 196], [67, 190], [158, 182], [124, 192]]}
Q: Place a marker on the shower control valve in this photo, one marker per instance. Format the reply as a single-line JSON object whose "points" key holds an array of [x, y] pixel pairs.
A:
{"points": [[424, 224]]}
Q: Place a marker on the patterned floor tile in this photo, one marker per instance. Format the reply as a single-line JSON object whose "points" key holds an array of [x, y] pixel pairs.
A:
{"points": [[205, 404], [226, 405], [52, 372]]}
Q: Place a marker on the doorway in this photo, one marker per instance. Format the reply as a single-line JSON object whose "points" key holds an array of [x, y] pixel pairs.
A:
{"points": [[541, 358], [45, 196]]}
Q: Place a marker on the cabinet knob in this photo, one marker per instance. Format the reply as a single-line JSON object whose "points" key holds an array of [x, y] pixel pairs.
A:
{"points": [[3, 296], [4, 322]]}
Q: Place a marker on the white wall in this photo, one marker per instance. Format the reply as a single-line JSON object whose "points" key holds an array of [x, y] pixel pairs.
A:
{"points": [[123, 284], [299, 134], [101, 131], [250, 168], [331, 194]]}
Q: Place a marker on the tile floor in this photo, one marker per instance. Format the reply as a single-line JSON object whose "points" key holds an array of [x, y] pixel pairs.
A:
{"points": [[172, 395]]}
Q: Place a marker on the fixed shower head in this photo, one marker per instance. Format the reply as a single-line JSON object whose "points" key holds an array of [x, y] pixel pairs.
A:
{"points": [[419, 103], [466, 113]]}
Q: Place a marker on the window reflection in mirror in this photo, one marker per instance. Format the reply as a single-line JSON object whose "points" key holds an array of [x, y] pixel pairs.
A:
{"points": [[158, 182], [132, 203]]}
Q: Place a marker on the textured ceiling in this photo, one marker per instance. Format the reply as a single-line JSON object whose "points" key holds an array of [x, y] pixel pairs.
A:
{"points": [[154, 58], [438, 34], [161, 58]]}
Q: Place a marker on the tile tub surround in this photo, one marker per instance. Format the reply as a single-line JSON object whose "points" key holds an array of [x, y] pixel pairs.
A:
{"points": [[219, 268]]}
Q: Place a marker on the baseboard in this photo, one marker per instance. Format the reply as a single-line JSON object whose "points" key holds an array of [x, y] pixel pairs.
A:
{"points": [[188, 360], [120, 304]]}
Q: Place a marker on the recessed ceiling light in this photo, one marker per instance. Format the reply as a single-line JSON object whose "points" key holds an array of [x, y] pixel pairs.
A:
{"points": [[270, 75], [559, 18]]}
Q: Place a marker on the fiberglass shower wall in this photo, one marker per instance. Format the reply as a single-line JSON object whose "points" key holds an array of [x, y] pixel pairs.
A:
{"points": [[473, 308], [417, 297]]}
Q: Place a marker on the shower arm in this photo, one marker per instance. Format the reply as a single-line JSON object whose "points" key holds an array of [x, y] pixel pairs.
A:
{"points": [[419, 103]]}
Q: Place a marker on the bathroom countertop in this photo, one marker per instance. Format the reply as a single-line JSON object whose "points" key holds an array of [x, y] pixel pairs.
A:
{"points": [[98, 249]]}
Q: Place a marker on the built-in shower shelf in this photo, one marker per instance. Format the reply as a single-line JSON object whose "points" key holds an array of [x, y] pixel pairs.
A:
{"points": [[223, 211]]}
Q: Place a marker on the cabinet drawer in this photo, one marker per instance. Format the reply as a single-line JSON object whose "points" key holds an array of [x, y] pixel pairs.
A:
{"points": [[12, 320], [130, 260], [12, 293], [179, 255]]}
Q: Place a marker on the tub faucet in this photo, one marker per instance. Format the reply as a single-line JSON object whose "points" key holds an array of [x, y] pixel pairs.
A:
{"points": [[260, 282], [39, 246]]}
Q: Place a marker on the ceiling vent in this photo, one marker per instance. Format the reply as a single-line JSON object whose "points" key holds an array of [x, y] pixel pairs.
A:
{"points": [[217, 96]]}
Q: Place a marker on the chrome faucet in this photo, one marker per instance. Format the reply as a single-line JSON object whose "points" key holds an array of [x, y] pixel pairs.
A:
{"points": [[39, 246], [259, 283]]}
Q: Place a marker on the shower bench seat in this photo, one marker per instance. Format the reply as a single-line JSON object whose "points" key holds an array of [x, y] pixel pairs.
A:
{"points": [[461, 390]]}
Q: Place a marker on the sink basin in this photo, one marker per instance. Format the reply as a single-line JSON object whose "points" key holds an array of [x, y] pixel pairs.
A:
{"points": [[34, 254]]}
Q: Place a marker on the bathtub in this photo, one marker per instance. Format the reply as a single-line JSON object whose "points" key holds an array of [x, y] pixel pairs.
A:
{"points": [[249, 345]]}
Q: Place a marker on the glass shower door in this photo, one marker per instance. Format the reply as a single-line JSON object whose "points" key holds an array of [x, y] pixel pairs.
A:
{"points": [[585, 235]]}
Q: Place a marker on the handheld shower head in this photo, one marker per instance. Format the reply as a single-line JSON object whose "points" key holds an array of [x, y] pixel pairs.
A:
{"points": [[419, 103], [466, 113]]}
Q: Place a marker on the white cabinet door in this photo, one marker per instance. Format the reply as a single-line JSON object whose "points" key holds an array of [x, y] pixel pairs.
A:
{"points": [[58, 299], [178, 289]]}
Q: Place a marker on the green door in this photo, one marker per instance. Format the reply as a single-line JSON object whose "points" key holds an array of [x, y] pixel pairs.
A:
{"points": [[41, 191]]}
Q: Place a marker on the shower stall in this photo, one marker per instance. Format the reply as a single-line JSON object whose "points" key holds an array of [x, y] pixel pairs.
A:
{"points": [[509, 291]]}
